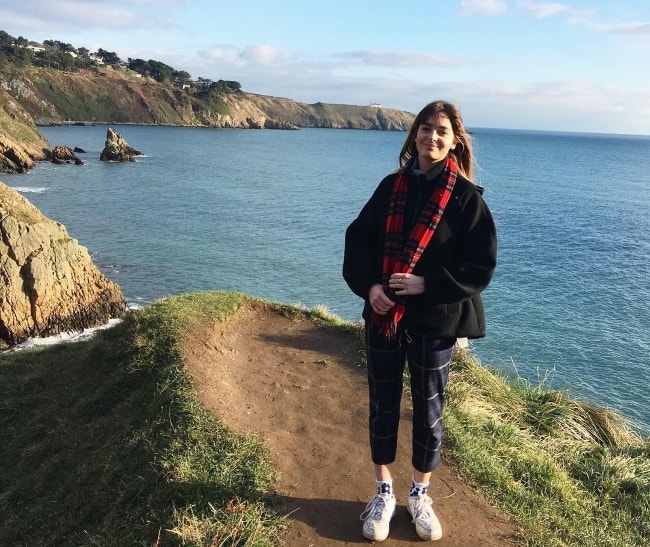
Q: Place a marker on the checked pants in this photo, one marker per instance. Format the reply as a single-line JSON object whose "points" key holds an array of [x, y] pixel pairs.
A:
{"points": [[428, 361]]}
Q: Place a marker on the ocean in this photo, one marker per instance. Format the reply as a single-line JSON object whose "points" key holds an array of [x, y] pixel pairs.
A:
{"points": [[264, 212]]}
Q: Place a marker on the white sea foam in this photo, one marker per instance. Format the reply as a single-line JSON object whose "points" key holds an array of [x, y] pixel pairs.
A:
{"points": [[64, 337], [30, 189]]}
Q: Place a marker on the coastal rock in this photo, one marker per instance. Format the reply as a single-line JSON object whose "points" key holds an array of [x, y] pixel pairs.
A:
{"points": [[117, 149], [273, 124], [48, 282], [21, 145], [64, 154], [14, 157]]}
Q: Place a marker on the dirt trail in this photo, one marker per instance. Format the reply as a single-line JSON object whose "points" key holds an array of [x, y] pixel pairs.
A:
{"points": [[301, 387]]}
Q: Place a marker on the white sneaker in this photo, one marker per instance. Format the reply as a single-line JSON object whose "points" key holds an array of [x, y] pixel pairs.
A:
{"points": [[426, 522], [376, 517]]}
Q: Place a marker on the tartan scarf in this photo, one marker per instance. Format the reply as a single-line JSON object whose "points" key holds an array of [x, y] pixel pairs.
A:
{"points": [[401, 256]]}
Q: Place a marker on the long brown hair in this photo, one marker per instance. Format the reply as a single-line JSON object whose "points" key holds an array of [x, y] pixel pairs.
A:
{"points": [[463, 150]]}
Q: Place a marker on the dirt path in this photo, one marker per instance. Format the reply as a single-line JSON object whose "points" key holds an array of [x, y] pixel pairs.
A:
{"points": [[302, 388]]}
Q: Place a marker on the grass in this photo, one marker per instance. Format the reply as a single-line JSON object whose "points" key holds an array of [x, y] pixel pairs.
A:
{"points": [[567, 472], [105, 443]]}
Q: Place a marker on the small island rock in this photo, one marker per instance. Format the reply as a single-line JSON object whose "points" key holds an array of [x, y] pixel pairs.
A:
{"points": [[117, 149], [64, 154]]}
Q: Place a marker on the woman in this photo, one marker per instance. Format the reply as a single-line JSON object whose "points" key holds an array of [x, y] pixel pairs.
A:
{"points": [[420, 252]]}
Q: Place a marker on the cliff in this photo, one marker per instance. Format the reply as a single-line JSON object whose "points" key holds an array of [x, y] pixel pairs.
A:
{"points": [[118, 95], [42, 96], [48, 283], [20, 142]]}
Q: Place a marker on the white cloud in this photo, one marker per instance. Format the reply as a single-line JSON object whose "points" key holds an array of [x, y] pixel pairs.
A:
{"points": [[263, 54], [588, 18], [482, 7], [248, 56], [627, 28], [228, 55], [404, 59], [37, 16], [541, 9]]}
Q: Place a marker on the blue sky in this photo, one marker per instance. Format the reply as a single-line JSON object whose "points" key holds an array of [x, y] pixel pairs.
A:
{"points": [[524, 64]]}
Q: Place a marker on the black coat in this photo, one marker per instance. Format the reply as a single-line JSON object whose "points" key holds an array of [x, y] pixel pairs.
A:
{"points": [[457, 264]]}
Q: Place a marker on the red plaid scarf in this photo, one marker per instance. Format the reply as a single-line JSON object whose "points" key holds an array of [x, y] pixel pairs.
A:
{"points": [[400, 256]]}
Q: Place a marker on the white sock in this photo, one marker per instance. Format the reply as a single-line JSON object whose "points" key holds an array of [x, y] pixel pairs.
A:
{"points": [[385, 488], [418, 488]]}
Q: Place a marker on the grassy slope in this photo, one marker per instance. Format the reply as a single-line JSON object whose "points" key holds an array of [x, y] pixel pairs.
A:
{"points": [[104, 443], [16, 125]]}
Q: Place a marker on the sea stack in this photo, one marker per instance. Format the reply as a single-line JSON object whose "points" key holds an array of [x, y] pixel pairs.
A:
{"points": [[117, 149]]}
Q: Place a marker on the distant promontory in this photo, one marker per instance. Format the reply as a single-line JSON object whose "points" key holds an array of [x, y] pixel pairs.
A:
{"points": [[34, 96]]}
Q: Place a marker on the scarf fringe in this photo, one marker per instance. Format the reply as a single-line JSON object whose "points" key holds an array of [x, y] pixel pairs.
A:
{"points": [[383, 324]]}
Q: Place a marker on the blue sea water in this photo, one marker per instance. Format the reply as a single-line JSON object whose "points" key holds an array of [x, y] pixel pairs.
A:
{"points": [[264, 212]]}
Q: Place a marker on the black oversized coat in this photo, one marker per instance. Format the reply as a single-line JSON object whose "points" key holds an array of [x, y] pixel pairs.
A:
{"points": [[457, 264]]}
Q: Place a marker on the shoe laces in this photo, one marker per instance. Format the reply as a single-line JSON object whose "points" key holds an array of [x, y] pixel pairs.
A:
{"points": [[422, 508], [374, 509]]}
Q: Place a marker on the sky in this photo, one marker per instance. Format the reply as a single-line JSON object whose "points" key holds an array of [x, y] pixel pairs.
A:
{"points": [[519, 64]]}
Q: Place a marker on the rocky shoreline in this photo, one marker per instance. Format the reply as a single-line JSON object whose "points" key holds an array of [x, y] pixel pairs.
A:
{"points": [[48, 282]]}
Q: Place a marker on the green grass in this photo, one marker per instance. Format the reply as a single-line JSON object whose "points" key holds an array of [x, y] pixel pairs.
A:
{"points": [[567, 472], [105, 443]]}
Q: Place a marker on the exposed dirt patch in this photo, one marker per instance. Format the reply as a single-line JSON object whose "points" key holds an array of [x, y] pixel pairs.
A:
{"points": [[302, 388]]}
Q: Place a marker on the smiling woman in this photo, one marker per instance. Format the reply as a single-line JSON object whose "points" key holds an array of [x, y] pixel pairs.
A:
{"points": [[419, 254]]}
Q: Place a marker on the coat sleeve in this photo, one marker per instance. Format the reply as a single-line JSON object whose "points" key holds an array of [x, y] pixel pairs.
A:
{"points": [[361, 256], [473, 255]]}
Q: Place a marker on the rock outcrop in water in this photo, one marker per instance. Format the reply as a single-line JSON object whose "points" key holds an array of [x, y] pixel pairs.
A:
{"points": [[117, 149], [48, 282], [64, 154]]}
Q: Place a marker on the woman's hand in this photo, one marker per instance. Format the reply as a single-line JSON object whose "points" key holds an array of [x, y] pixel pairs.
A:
{"points": [[378, 300], [403, 284]]}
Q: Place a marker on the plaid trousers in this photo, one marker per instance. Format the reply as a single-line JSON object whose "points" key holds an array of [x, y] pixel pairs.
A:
{"points": [[428, 361]]}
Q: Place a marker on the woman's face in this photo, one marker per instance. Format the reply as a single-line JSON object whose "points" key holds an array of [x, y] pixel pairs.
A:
{"points": [[434, 139]]}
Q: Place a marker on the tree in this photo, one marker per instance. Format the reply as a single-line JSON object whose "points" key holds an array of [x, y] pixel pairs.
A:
{"points": [[14, 51], [60, 46], [53, 58], [138, 65], [183, 77], [5, 39], [21, 42], [160, 71], [204, 83], [226, 85], [109, 57]]}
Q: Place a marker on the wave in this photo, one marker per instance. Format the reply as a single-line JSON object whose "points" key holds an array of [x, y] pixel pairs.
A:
{"points": [[64, 337], [30, 189]]}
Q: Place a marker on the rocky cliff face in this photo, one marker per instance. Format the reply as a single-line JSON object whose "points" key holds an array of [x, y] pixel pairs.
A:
{"points": [[48, 283], [20, 142]]}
